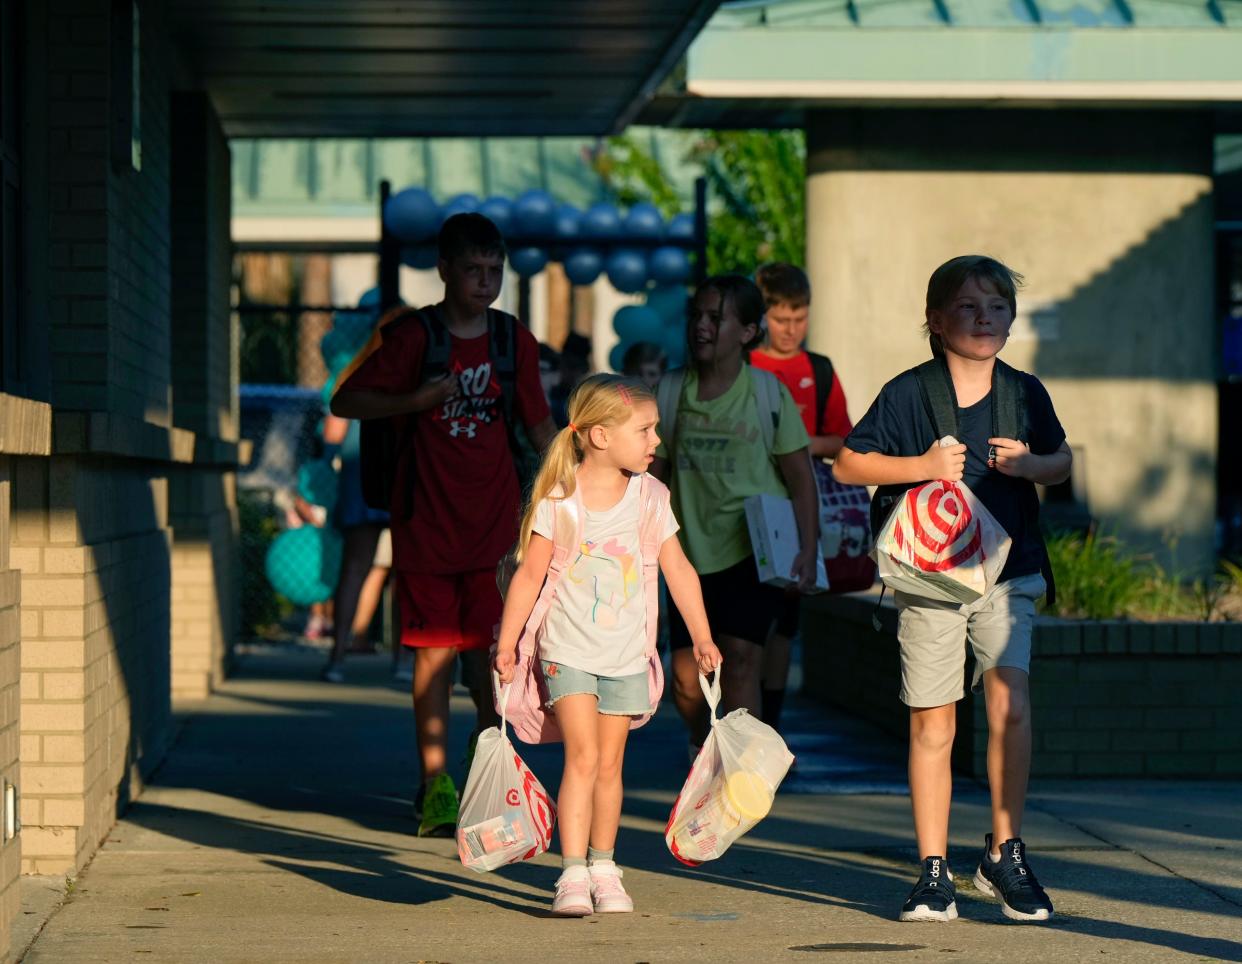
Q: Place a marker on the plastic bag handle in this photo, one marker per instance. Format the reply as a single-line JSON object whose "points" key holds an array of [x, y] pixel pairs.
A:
{"points": [[712, 692], [501, 691]]}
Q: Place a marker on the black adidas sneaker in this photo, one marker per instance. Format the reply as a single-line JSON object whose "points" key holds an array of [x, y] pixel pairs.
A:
{"points": [[1012, 882], [934, 897]]}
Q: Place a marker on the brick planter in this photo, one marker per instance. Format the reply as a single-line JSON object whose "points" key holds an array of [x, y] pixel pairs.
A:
{"points": [[1109, 698]]}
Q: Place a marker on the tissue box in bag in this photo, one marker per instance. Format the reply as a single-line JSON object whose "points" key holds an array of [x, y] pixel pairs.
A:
{"points": [[774, 538], [940, 542]]}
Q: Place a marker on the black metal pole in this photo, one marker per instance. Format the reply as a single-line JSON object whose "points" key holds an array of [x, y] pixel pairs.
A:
{"points": [[389, 256], [700, 230]]}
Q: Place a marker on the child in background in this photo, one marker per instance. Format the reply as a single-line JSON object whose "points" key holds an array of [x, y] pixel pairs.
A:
{"points": [[592, 646], [646, 362], [971, 302]]}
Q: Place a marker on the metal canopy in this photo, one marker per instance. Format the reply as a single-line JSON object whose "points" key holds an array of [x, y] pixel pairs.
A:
{"points": [[777, 58], [387, 68]]}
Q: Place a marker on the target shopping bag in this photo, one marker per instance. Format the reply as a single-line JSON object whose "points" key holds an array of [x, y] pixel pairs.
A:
{"points": [[731, 785], [506, 815], [941, 543]]}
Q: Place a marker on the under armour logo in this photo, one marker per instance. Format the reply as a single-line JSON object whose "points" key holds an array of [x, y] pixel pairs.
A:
{"points": [[467, 429]]}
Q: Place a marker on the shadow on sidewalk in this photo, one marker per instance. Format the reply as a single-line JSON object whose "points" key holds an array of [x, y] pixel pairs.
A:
{"points": [[350, 755]]}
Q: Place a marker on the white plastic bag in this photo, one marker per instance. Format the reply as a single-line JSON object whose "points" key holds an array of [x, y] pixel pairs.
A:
{"points": [[506, 815], [940, 542], [731, 785]]}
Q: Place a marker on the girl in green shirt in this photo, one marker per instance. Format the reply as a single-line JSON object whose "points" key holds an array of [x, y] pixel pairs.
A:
{"points": [[714, 454]]}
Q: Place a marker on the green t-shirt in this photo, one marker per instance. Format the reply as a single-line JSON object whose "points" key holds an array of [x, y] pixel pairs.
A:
{"points": [[720, 461]]}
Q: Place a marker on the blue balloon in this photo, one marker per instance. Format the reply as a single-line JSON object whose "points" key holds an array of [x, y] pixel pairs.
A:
{"points": [[616, 357], [338, 350], [644, 221], [355, 328], [669, 302], [601, 221], [669, 266], [637, 323], [317, 483], [369, 298], [673, 341], [499, 210], [583, 266], [681, 226], [412, 214], [534, 214], [420, 256], [328, 388], [304, 564], [528, 261], [459, 204], [627, 270], [568, 222]]}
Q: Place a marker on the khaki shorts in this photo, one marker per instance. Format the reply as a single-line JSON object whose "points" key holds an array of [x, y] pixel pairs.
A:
{"points": [[933, 635]]}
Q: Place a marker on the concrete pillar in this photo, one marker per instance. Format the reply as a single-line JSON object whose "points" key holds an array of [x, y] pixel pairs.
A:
{"points": [[1109, 217]]}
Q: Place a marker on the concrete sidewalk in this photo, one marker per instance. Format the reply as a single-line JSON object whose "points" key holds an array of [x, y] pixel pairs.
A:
{"points": [[279, 829]]}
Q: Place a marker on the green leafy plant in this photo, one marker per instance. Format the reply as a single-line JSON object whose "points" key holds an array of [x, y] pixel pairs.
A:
{"points": [[756, 182], [1095, 577], [1099, 578]]}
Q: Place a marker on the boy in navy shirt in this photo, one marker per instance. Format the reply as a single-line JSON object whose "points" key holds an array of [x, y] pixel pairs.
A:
{"points": [[971, 302]]}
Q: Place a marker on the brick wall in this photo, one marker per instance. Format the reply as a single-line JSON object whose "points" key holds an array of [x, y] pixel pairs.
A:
{"points": [[205, 580], [1107, 698], [92, 543], [205, 588], [10, 738]]}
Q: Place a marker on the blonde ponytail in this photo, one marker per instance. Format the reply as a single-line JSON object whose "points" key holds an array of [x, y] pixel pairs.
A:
{"points": [[606, 400]]}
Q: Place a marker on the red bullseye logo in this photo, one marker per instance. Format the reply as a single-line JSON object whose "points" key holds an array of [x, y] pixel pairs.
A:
{"points": [[936, 530], [513, 798]]}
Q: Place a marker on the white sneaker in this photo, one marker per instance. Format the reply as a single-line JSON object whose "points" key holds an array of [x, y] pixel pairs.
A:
{"points": [[607, 894], [573, 893]]}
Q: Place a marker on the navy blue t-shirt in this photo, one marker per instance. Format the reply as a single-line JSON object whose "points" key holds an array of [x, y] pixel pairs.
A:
{"points": [[898, 424]]}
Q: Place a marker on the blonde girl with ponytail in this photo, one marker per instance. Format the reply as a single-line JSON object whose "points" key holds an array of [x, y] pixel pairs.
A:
{"points": [[592, 645]]}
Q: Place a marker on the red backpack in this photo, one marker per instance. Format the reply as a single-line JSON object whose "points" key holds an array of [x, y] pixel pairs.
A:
{"points": [[528, 695]]}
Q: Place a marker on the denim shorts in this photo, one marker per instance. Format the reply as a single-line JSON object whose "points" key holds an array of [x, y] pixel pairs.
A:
{"points": [[615, 695]]}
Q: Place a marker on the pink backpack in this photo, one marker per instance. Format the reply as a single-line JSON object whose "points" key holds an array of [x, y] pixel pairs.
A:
{"points": [[528, 694]]}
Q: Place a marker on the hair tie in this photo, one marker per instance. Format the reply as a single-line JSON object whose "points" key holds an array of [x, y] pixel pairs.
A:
{"points": [[573, 427]]}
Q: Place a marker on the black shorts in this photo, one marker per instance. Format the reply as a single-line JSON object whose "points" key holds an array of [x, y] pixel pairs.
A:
{"points": [[790, 615], [737, 603]]}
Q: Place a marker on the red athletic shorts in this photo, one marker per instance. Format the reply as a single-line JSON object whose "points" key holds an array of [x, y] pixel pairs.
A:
{"points": [[460, 609]]}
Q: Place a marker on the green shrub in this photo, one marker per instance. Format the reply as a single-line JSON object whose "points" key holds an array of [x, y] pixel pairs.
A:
{"points": [[1099, 578], [1095, 577]]}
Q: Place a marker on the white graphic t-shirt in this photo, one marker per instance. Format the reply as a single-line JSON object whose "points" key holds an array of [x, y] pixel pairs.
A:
{"points": [[598, 620]]}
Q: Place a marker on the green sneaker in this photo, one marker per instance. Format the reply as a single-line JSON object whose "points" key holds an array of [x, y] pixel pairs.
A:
{"points": [[439, 808]]}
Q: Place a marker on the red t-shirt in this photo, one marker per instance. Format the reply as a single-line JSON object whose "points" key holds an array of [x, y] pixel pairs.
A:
{"points": [[466, 499], [798, 376]]}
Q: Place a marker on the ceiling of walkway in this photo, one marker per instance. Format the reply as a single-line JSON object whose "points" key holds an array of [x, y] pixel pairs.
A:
{"points": [[386, 68]]}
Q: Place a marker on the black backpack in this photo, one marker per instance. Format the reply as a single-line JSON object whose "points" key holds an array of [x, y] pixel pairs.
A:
{"points": [[821, 370], [383, 442], [1010, 419]]}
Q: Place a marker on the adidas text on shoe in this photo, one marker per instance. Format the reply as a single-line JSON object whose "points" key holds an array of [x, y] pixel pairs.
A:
{"points": [[573, 893], [1011, 881], [934, 897], [439, 814]]}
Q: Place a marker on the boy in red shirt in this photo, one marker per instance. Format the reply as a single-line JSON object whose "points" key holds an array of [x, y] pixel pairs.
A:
{"points": [[787, 293], [456, 501]]}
